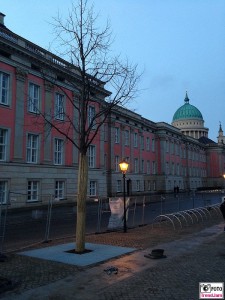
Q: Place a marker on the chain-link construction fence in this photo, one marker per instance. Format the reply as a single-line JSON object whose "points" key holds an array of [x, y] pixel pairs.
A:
{"points": [[25, 223]]}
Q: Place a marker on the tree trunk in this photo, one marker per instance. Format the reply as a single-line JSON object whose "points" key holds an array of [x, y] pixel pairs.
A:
{"points": [[81, 203]]}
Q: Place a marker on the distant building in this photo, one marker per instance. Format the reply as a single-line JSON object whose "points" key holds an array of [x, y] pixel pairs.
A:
{"points": [[36, 164], [189, 120]]}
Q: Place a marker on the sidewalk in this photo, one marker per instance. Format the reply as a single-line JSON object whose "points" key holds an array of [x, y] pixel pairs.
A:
{"points": [[194, 254]]}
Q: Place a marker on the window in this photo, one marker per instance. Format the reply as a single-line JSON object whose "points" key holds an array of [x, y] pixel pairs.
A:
{"points": [[136, 165], [172, 147], [148, 167], [137, 185], [91, 116], [153, 145], [167, 146], [117, 135], [135, 139], [126, 135], [142, 165], [32, 148], [92, 188], [59, 189], [148, 143], [184, 153], [91, 156], [32, 190], [59, 106], [116, 163], [3, 144], [142, 142], [167, 168], [4, 88], [153, 167], [58, 152], [173, 169], [34, 98], [3, 192], [119, 186], [178, 169]]}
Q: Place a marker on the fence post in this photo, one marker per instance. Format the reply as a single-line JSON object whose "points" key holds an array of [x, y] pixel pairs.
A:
{"points": [[143, 211], [99, 214], [2, 256], [48, 222]]}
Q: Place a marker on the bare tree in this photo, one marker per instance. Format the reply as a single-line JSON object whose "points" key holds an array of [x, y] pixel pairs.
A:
{"points": [[89, 50]]}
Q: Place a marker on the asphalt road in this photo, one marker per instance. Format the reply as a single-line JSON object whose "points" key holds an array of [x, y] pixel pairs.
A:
{"points": [[22, 228]]}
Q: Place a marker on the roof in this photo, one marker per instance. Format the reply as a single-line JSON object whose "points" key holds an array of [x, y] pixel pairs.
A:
{"points": [[205, 140], [187, 111]]}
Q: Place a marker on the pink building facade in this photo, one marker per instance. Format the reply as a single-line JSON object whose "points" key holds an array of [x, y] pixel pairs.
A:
{"points": [[36, 163]]}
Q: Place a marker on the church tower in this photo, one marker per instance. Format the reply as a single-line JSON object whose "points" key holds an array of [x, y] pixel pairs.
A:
{"points": [[221, 137]]}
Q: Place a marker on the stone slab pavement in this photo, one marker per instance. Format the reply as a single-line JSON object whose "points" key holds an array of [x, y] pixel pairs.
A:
{"points": [[194, 254]]}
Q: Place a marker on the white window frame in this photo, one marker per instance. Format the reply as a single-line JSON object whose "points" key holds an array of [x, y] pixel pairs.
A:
{"points": [[32, 190], [117, 163], [59, 189], [135, 139], [117, 135], [178, 169], [91, 115], [4, 88], [92, 188], [153, 167], [3, 143], [167, 146], [153, 145], [58, 151], [119, 186], [32, 148], [59, 106], [148, 144], [34, 98], [148, 171], [92, 156], [167, 168], [172, 168], [142, 165], [136, 167], [126, 138], [138, 185], [142, 142], [3, 191]]}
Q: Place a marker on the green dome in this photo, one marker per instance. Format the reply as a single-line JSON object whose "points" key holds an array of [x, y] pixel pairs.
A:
{"points": [[187, 111]]}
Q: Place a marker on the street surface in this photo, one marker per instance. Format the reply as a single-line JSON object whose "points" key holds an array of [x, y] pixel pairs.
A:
{"points": [[24, 227]]}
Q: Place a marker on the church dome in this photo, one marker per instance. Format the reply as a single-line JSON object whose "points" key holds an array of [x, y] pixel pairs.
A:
{"points": [[187, 111], [189, 120]]}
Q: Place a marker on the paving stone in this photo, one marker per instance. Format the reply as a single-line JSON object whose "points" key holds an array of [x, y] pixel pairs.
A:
{"points": [[175, 277]]}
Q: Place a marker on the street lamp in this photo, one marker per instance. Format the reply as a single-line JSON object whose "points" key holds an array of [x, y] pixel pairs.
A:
{"points": [[123, 168]]}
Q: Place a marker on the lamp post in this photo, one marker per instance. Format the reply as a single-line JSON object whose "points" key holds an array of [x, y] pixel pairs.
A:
{"points": [[123, 167], [224, 176]]}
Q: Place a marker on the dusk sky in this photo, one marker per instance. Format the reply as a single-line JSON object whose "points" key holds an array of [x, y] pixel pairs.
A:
{"points": [[180, 45]]}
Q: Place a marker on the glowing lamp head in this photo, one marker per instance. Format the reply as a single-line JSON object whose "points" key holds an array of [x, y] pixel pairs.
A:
{"points": [[123, 166]]}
